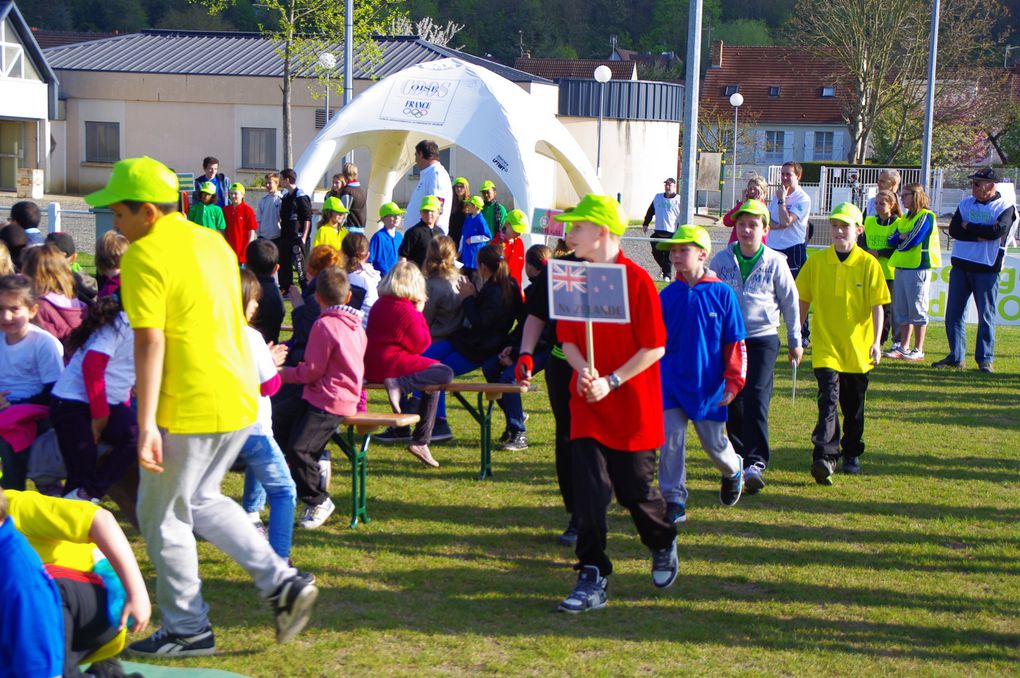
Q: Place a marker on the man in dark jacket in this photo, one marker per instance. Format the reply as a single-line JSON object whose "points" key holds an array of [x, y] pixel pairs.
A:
{"points": [[295, 225]]}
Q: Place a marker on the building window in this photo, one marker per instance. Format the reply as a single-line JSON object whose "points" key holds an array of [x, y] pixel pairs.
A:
{"points": [[731, 89], [829, 91], [775, 141], [774, 91], [258, 147], [102, 141], [823, 145]]}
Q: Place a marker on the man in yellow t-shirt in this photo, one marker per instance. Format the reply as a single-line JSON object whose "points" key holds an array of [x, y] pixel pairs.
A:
{"points": [[846, 289], [197, 398]]}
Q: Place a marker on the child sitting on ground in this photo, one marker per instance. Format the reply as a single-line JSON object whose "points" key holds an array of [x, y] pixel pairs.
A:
{"points": [[91, 587], [845, 288], [266, 470], [31, 360], [206, 212], [90, 402], [398, 334], [332, 371], [703, 369], [330, 230], [262, 259], [382, 249], [474, 235], [109, 250], [363, 277], [60, 311], [241, 224]]}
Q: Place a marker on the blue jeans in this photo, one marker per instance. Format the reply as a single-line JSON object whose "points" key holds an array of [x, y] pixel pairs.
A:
{"points": [[267, 474], [444, 352], [984, 288], [510, 403]]}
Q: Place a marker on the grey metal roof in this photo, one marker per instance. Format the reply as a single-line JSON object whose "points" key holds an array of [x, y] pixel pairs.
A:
{"points": [[243, 54]]}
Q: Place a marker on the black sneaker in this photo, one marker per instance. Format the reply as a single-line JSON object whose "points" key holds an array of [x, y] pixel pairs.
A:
{"points": [[109, 668], [394, 435], [588, 594], [851, 466], [569, 536], [162, 643], [518, 441], [441, 431], [946, 363], [504, 439], [731, 488], [292, 605], [676, 512], [665, 566], [822, 471], [753, 480]]}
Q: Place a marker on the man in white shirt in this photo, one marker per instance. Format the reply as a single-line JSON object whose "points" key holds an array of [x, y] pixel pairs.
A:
{"points": [[434, 180], [789, 211], [665, 208]]}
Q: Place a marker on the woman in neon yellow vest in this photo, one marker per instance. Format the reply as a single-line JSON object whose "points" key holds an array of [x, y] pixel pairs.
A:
{"points": [[917, 251], [878, 227]]}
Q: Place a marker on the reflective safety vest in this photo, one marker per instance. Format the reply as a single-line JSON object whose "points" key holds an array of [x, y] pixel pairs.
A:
{"points": [[913, 257], [876, 237]]}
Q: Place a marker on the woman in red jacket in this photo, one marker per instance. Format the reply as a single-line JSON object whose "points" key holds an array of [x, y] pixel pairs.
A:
{"points": [[397, 336]]}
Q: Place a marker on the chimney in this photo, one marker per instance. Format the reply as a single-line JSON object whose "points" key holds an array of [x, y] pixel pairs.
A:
{"points": [[716, 54]]}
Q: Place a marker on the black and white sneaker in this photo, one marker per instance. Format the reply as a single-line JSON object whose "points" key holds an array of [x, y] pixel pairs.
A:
{"points": [[665, 566], [518, 441], [292, 605], [588, 594], [753, 480], [163, 643], [731, 488]]}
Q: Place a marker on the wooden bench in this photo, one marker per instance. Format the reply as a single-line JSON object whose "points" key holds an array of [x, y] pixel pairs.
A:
{"points": [[479, 412], [364, 424]]}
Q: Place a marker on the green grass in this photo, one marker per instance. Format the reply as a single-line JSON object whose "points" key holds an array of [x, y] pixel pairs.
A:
{"points": [[911, 567]]}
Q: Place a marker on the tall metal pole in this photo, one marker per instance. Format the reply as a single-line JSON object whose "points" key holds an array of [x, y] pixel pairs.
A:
{"points": [[736, 100], [348, 60], [598, 146], [691, 89], [929, 108]]}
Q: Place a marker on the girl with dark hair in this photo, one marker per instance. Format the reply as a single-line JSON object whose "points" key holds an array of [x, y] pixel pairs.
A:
{"points": [[90, 402]]}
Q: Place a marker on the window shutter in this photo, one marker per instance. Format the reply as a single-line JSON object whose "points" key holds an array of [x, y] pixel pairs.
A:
{"points": [[809, 146], [837, 146]]}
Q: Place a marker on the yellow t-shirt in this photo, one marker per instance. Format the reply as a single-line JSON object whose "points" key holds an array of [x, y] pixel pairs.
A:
{"points": [[58, 529], [185, 281], [842, 294], [328, 235]]}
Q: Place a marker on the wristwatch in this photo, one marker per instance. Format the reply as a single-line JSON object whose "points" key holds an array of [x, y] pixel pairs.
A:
{"points": [[780, 201], [613, 381]]}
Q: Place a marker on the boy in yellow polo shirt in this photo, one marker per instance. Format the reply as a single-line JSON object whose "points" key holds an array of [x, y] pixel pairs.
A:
{"points": [[846, 289], [196, 402]]}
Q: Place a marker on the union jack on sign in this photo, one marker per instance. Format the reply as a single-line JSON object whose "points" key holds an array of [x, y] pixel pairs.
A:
{"points": [[568, 278], [579, 290]]}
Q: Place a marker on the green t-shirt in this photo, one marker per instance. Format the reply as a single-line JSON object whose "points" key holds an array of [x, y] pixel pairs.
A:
{"points": [[746, 264]]}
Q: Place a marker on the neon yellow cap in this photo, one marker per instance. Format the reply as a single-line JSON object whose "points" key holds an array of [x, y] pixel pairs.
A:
{"points": [[333, 204], [598, 209], [390, 209], [430, 203], [518, 221], [688, 233], [848, 213], [138, 179]]}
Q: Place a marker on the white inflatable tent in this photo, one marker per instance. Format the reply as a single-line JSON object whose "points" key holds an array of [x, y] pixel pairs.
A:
{"points": [[453, 103]]}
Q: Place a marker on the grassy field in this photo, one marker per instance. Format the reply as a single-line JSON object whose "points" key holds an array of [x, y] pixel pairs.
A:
{"points": [[912, 567]]}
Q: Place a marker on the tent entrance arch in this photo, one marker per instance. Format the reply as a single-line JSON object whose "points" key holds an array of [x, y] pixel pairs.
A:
{"points": [[454, 103]]}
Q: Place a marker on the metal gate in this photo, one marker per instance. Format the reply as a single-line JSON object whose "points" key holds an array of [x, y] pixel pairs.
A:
{"points": [[858, 184]]}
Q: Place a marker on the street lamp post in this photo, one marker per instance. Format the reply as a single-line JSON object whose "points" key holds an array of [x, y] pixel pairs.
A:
{"points": [[602, 75], [736, 100], [327, 62]]}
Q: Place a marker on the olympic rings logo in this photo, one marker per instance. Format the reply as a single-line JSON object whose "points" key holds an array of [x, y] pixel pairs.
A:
{"points": [[416, 112]]}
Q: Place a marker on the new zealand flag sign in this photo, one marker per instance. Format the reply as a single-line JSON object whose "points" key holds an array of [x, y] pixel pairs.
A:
{"points": [[579, 290]]}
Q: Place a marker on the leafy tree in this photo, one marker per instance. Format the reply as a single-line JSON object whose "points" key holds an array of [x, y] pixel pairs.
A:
{"points": [[303, 29], [193, 18], [743, 32], [124, 16]]}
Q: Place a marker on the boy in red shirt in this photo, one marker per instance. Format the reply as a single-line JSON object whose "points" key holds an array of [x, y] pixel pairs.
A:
{"points": [[509, 238], [241, 222], [616, 412]]}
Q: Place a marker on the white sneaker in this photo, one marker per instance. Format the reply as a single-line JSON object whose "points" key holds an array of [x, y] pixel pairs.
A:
{"points": [[896, 352], [913, 355], [80, 495], [314, 516]]}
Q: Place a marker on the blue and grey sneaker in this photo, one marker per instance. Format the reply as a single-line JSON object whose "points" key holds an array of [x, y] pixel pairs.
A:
{"points": [[163, 643], [676, 512], [665, 566], [753, 480], [731, 488], [588, 594], [292, 604]]}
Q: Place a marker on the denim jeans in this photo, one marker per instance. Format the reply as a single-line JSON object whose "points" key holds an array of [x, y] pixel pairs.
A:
{"points": [[444, 352], [984, 287], [266, 473], [510, 403]]}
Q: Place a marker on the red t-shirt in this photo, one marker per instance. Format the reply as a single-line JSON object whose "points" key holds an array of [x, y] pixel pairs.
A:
{"points": [[240, 225], [629, 418], [513, 253]]}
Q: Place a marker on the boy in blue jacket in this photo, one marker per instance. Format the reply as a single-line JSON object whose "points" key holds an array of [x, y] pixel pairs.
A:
{"points": [[704, 368], [475, 234]]}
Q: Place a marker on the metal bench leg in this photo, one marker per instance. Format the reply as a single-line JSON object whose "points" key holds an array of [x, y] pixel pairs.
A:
{"points": [[359, 473], [486, 426]]}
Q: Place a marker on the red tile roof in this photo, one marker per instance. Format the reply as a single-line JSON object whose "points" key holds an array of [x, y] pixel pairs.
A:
{"points": [[799, 75], [554, 69]]}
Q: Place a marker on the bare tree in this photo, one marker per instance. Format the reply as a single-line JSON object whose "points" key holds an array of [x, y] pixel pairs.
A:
{"points": [[426, 29], [876, 53]]}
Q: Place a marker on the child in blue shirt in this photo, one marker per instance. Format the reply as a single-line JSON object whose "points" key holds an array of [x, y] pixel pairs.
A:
{"points": [[382, 248], [474, 235], [704, 368]]}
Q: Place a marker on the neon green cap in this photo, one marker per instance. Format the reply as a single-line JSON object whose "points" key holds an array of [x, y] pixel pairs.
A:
{"points": [[688, 233], [598, 209], [487, 186], [477, 201], [390, 209], [236, 186], [138, 179], [848, 213], [430, 203], [755, 207], [460, 180], [333, 204], [518, 221]]}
